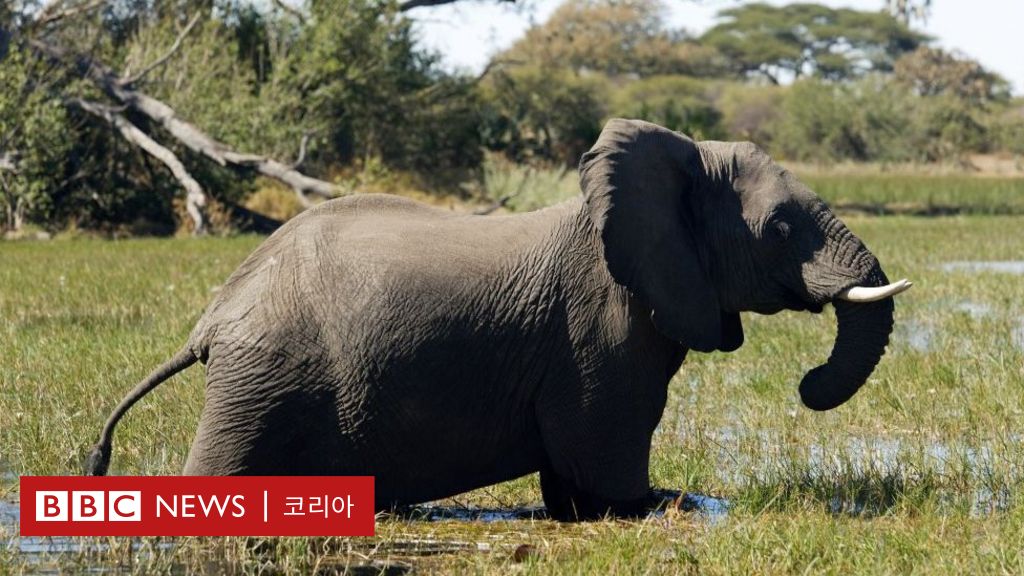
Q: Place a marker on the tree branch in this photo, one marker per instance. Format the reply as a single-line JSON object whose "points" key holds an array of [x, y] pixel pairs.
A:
{"points": [[407, 5], [497, 63], [303, 144], [291, 10], [167, 55], [186, 133], [55, 11], [9, 162], [195, 198]]}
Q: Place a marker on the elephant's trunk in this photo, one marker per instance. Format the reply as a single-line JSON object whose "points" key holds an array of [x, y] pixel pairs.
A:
{"points": [[864, 329]]}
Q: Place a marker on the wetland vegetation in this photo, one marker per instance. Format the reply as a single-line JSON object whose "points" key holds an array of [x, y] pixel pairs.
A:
{"points": [[920, 473]]}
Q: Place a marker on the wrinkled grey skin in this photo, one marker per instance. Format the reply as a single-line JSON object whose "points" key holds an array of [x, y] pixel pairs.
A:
{"points": [[443, 352]]}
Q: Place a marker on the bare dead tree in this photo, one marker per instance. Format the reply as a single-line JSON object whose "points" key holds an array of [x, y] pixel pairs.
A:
{"points": [[410, 4], [303, 146], [123, 90], [195, 198], [185, 132]]}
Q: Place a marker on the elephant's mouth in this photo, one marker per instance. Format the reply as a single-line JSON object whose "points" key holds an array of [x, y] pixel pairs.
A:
{"points": [[800, 301], [786, 298], [800, 304]]}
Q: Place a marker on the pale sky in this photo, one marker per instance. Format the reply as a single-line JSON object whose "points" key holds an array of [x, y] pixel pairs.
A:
{"points": [[469, 33]]}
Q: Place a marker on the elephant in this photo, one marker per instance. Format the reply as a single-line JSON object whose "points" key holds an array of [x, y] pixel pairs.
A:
{"points": [[441, 352]]}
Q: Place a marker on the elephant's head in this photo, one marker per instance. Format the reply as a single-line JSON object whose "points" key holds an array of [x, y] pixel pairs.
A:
{"points": [[702, 231]]}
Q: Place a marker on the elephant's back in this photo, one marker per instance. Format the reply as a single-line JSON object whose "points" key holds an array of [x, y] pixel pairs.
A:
{"points": [[373, 258]]}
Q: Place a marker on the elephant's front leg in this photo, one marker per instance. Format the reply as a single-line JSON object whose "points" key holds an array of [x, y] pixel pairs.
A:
{"points": [[566, 502], [596, 457]]}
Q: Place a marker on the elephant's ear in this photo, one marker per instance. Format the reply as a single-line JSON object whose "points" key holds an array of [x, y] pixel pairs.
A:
{"points": [[639, 181]]}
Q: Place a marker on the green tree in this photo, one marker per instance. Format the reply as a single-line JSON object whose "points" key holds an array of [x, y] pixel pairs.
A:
{"points": [[750, 112], [613, 37], [809, 40], [33, 141], [933, 72], [357, 70], [677, 102], [542, 113], [862, 120], [1007, 128]]}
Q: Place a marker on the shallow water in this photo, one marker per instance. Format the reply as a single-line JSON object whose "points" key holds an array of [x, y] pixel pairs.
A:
{"points": [[1017, 334], [976, 310], [437, 513], [975, 266], [922, 333], [860, 468], [44, 554], [916, 335], [710, 507]]}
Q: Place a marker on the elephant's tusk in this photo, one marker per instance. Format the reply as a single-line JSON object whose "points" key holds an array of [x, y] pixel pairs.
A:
{"points": [[863, 294]]}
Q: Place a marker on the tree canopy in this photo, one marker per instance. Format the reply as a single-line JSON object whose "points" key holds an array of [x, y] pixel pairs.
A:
{"points": [[809, 40], [613, 37], [934, 71]]}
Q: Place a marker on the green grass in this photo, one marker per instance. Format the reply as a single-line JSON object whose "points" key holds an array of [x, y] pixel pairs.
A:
{"points": [[919, 473], [849, 190], [919, 193]]}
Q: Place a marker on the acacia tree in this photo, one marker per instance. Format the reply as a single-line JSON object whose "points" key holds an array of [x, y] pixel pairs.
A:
{"points": [[907, 10], [809, 40]]}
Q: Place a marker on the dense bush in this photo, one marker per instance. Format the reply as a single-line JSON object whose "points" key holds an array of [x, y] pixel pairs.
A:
{"points": [[540, 113], [822, 121], [1007, 129], [33, 143], [749, 112], [677, 102]]}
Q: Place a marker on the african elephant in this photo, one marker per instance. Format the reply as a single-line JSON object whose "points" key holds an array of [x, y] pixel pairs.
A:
{"points": [[442, 352]]}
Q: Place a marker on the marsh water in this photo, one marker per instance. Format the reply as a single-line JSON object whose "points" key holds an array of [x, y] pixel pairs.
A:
{"points": [[974, 266], [921, 335], [881, 456]]}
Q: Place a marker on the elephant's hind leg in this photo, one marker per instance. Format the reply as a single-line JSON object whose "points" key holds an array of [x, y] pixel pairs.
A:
{"points": [[265, 414], [213, 452]]}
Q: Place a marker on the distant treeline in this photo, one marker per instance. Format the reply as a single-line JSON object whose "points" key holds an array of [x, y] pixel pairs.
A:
{"points": [[340, 88]]}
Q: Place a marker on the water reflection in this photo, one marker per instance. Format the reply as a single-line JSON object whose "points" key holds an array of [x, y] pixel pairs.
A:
{"points": [[975, 266]]}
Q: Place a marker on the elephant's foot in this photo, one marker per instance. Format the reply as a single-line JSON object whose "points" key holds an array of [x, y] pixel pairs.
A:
{"points": [[567, 503]]}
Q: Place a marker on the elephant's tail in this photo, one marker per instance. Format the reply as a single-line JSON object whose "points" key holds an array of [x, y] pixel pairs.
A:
{"points": [[99, 458]]}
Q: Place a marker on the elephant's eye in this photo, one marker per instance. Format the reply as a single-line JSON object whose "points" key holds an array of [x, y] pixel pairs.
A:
{"points": [[780, 230]]}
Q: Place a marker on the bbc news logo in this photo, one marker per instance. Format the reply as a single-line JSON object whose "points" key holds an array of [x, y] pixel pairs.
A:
{"points": [[197, 506], [88, 506]]}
